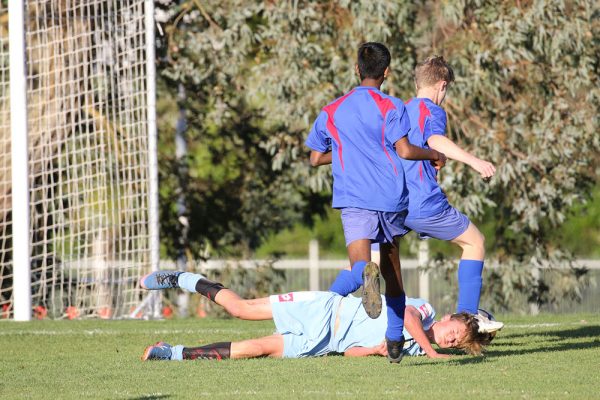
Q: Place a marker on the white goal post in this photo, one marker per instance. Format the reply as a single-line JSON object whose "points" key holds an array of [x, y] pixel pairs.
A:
{"points": [[78, 159]]}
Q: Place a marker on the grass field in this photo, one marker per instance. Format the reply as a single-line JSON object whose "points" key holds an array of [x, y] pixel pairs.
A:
{"points": [[549, 356]]}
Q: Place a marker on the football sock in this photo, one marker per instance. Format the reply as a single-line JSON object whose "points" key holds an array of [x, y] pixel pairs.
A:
{"points": [[469, 285], [188, 281], [395, 314], [177, 353], [208, 288], [214, 351], [349, 281], [197, 283]]}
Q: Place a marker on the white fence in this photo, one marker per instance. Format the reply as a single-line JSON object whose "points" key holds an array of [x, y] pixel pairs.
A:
{"points": [[318, 274]]}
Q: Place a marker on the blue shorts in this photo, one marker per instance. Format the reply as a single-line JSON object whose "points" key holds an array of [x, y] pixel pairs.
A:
{"points": [[306, 320], [377, 226], [447, 225]]}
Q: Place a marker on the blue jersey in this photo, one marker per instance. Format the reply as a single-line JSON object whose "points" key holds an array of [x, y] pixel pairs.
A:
{"points": [[426, 198], [361, 128], [357, 329]]}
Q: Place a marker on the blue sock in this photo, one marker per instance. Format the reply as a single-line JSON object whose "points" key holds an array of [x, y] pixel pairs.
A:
{"points": [[348, 281], [469, 285], [177, 353], [188, 281], [395, 313]]}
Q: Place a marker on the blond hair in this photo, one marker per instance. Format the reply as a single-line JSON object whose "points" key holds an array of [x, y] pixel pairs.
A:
{"points": [[431, 71], [473, 342]]}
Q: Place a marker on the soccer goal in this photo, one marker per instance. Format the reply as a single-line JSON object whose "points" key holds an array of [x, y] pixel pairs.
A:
{"points": [[78, 170]]}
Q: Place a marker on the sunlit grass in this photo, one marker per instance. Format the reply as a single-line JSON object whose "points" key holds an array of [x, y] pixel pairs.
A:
{"points": [[549, 356]]}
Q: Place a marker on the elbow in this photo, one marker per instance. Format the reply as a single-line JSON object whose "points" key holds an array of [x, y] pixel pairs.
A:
{"points": [[315, 160], [403, 152]]}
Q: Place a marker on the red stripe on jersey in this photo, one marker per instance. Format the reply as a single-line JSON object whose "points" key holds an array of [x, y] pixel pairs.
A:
{"points": [[423, 113], [330, 110], [384, 105]]}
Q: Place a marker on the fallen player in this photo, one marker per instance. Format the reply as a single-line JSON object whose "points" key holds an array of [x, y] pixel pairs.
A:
{"points": [[311, 324]]}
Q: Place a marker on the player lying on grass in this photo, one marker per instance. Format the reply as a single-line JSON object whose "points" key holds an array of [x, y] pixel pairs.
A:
{"points": [[314, 324]]}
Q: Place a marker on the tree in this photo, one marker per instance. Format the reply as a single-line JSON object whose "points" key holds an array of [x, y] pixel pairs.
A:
{"points": [[526, 97]]}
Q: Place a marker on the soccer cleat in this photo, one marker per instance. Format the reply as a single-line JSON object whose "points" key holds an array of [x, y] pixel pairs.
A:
{"points": [[159, 351], [160, 280], [371, 296], [394, 349], [486, 325]]}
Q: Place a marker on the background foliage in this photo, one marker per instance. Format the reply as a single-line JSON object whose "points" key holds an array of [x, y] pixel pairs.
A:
{"points": [[256, 74]]}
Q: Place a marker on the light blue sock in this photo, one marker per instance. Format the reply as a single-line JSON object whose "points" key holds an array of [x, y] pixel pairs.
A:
{"points": [[395, 313], [177, 353], [469, 285], [188, 281], [348, 281]]}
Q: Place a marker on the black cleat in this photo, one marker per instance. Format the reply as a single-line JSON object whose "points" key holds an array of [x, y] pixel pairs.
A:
{"points": [[371, 296], [394, 349]]}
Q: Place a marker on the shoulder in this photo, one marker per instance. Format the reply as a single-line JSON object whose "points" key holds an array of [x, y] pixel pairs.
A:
{"points": [[435, 110], [337, 101], [398, 103], [425, 309], [410, 103]]}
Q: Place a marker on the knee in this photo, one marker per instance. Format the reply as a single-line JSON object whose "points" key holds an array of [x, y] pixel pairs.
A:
{"points": [[480, 240], [236, 310]]}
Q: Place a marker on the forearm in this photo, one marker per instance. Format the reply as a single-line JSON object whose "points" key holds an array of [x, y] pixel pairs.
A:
{"points": [[414, 326], [408, 151], [361, 352], [318, 158], [450, 149]]}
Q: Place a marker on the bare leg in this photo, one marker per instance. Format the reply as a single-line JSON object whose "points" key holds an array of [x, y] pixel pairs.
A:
{"points": [[390, 269], [472, 243], [252, 309], [271, 346], [359, 250]]}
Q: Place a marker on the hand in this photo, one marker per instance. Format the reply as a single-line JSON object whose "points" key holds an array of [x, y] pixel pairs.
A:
{"points": [[440, 162], [381, 349], [435, 354], [485, 169]]}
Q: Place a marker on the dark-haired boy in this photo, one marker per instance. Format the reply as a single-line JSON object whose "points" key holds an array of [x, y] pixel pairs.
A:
{"points": [[363, 134]]}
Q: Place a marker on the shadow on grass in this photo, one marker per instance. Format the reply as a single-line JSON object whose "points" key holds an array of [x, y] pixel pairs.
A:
{"points": [[575, 333], [557, 340], [152, 397]]}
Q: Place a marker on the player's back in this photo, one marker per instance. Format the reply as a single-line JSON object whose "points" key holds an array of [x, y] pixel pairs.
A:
{"points": [[363, 126]]}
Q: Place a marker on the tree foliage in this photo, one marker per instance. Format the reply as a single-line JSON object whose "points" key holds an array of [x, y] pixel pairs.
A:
{"points": [[526, 98]]}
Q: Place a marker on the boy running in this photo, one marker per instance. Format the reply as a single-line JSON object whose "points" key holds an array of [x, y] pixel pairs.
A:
{"points": [[429, 212], [363, 134], [313, 324]]}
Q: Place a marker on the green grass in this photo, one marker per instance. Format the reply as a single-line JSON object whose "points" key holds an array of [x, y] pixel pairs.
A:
{"points": [[549, 356]]}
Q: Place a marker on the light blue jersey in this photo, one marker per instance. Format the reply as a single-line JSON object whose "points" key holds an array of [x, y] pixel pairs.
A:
{"points": [[357, 329], [307, 321]]}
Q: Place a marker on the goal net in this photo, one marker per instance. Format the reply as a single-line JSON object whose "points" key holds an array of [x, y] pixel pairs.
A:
{"points": [[88, 158]]}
